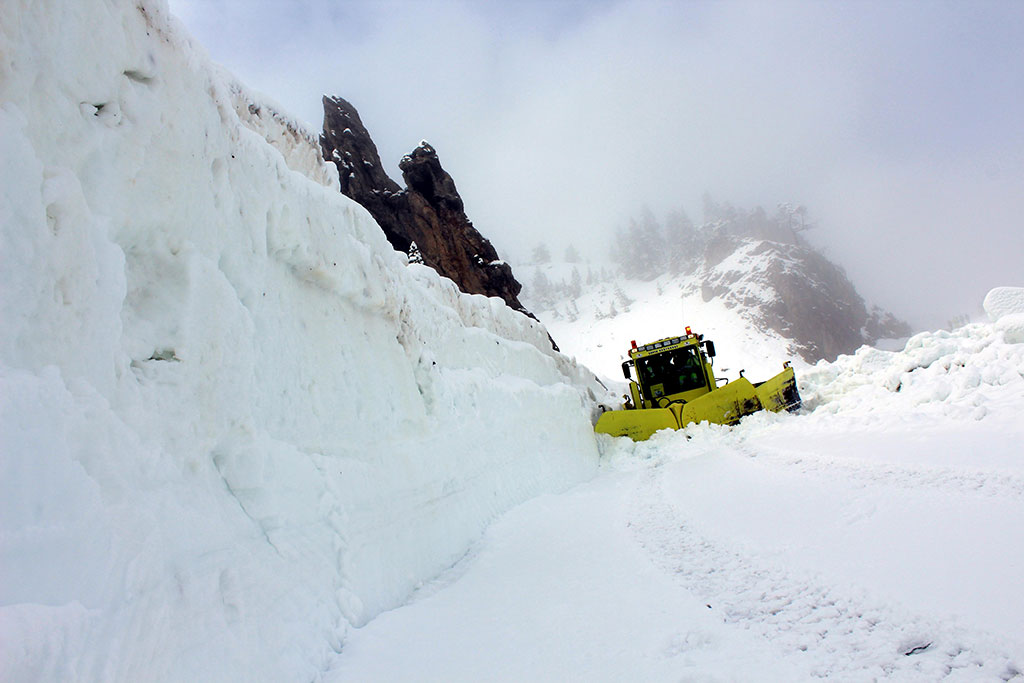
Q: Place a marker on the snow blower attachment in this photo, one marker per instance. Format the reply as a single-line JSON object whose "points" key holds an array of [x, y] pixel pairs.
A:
{"points": [[675, 386]]}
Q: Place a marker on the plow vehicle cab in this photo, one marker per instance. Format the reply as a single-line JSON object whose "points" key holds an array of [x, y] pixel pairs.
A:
{"points": [[674, 385]]}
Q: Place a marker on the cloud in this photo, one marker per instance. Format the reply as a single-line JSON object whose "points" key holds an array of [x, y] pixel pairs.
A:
{"points": [[896, 123]]}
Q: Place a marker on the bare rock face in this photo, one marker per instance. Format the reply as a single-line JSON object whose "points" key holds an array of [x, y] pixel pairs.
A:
{"points": [[428, 211], [796, 291]]}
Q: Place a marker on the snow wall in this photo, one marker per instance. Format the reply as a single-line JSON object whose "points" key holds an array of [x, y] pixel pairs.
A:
{"points": [[234, 422]]}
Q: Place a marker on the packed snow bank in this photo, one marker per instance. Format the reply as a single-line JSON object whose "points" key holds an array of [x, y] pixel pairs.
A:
{"points": [[964, 374], [233, 420]]}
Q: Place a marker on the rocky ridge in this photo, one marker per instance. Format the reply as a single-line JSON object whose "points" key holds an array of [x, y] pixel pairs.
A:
{"points": [[428, 212], [794, 290], [763, 266]]}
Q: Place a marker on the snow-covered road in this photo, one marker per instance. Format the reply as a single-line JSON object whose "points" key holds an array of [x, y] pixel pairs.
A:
{"points": [[859, 566], [777, 550], [558, 589]]}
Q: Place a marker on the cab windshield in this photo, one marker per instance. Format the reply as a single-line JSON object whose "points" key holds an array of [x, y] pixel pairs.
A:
{"points": [[671, 372]]}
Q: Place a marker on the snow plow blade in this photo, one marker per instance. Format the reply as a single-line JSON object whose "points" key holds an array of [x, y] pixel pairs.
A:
{"points": [[724, 406], [672, 385], [638, 425], [780, 393]]}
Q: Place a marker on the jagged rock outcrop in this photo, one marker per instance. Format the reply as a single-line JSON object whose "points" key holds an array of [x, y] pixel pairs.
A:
{"points": [[428, 211]]}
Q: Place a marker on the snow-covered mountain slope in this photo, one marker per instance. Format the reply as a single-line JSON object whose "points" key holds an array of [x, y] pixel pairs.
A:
{"points": [[597, 325], [877, 535], [233, 420], [793, 290], [756, 274]]}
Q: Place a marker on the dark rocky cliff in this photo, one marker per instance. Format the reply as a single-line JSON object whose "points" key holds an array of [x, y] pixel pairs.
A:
{"points": [[794, 290], [428, 211]]}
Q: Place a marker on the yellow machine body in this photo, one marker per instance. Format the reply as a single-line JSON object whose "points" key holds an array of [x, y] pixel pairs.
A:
{"points": [[675, 386]]}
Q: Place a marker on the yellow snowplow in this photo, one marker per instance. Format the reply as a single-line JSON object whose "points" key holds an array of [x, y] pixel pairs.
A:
{"points": [[675, 386]]}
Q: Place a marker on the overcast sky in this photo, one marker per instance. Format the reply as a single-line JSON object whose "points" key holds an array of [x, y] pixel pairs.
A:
{"points": [[900, 125]]}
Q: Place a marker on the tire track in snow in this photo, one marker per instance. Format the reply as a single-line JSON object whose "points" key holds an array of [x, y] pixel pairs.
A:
{"points": [[867, 473], [834, 631]]}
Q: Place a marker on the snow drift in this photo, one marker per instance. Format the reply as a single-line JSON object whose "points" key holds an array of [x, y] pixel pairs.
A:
{"points": [[233, 420]]}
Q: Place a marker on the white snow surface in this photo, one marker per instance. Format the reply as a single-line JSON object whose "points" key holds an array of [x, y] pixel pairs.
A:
{"points": [[234, 422], [242, 439], [657, 309], [878, 535]]}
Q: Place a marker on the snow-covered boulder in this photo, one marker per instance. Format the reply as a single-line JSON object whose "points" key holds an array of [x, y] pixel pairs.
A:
{"points": [[1003, 301], [1005, 307]]}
